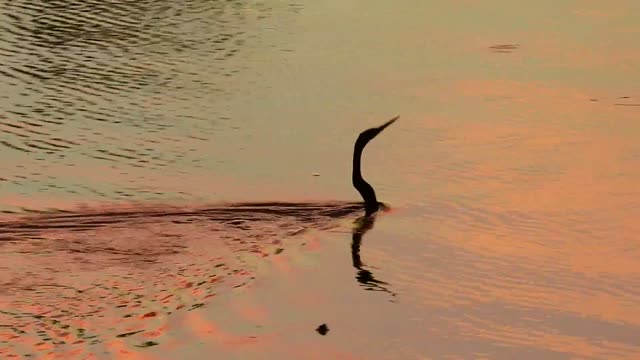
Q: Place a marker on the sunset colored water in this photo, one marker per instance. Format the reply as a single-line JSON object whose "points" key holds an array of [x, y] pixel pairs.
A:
{"points": [[175, 180]]}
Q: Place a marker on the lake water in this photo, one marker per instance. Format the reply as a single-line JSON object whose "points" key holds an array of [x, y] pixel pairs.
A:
{"points": [[133, 134]]}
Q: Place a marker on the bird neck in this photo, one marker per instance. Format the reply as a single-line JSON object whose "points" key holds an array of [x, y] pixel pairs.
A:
{"points": [[363, 187], [356, 174], [366, 191]]}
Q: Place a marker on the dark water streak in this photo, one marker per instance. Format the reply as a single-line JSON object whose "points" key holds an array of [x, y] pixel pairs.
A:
{"points": [[231, 213]]}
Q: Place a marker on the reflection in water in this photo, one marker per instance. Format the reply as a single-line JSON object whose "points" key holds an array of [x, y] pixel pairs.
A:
{"points": [[154, 243], [371, 207], [517, 189], [83, 278], [364, 276]]}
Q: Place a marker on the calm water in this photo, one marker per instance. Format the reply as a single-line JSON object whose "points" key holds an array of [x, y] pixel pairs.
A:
{"points": [[512, 175]]}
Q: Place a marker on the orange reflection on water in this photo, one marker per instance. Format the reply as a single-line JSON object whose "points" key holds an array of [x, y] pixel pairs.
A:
{"points": [[525, 234], [212, 334]]}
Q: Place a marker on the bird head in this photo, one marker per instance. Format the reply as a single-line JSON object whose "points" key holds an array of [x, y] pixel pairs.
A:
{"points": [[369, 134]]}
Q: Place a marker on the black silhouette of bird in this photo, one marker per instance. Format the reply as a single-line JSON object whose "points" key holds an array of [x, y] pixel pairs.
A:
{"points": [[371, 204]]}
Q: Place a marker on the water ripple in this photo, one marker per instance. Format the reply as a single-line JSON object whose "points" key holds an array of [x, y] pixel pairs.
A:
{"points": [[85, 77]]}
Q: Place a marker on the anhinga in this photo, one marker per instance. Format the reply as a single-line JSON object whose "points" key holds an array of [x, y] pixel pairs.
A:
{"points": [[371, 204]]}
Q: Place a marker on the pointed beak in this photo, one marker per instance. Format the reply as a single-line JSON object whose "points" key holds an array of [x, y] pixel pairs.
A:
{"points": [[383, 126]]}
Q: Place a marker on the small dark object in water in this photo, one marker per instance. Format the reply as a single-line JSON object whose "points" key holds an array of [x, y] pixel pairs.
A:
{"points": [[323, 329]]}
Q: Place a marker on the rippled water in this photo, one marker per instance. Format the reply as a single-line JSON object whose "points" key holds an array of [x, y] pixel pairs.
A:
{"points": [[86, 278], [121, 100], [513, 176]]}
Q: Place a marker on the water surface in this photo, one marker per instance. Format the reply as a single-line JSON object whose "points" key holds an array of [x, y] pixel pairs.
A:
{"points": [[512, 175]]}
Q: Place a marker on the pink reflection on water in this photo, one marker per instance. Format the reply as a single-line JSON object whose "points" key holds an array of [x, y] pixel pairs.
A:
{"points": [[113, 276]]}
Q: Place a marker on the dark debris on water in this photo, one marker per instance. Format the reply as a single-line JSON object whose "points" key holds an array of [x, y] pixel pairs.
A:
{"points": [[322, 329]]}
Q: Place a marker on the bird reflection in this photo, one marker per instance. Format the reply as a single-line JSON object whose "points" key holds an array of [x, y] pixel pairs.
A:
{"points": [[364, 276], [371, 206]]}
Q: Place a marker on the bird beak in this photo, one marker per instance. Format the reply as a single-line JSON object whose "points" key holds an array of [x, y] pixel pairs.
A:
{"points": [[383, 126]]}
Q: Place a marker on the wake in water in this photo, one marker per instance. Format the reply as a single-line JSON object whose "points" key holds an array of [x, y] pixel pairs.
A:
{"points": [[71, 279]]}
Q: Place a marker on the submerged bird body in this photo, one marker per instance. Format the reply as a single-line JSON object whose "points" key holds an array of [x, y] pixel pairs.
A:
{"points": [[371, 204]]}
